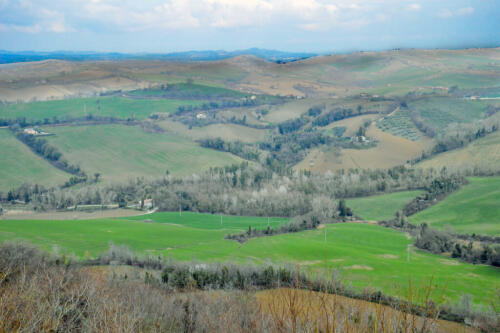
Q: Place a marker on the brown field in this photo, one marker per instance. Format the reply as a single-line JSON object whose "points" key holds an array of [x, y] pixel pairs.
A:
{"points": [[321, 312], [68, 215], [390, 151], [352, 124], [227, 132]]}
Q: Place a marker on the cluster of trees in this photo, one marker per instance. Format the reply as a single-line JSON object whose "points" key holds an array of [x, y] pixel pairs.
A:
{"points": [[324, 211], [237, 148], [437, 190], [239, 190], [291, 125], [469, 250], [22, 122], [41, 147], [334, 115]]}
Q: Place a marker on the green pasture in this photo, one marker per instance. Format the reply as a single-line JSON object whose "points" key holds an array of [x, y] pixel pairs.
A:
{"points": [[107, 106], [212, 221], [475, 208], [19, 165], [365, 255], [120, 152], [381, 207]]}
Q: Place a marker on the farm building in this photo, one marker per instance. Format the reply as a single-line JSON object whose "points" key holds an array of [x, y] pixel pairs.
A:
{"points": [[148, 203]]}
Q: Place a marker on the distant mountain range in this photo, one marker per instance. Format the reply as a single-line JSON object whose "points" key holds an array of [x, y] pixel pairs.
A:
{"points": [[209, 55]]}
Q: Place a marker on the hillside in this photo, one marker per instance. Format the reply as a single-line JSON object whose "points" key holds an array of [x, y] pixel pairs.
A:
{"points": [[19, 165], [473, 209], [390, 72], [120, 152]]}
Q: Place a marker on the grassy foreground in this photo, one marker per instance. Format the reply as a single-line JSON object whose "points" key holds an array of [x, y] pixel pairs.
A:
{"points": [[120, 152], [475, 208], [381, 207], [365, 255], [20, 165]]}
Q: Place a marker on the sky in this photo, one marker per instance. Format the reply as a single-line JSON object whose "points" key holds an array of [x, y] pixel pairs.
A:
{"points": [[161, 26]]}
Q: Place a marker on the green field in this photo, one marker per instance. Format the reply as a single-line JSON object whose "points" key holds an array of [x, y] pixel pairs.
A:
{"points": [[381, 207], [211, 221], [365, 255], [121, 152], [20, 165], [475, 208], [439, 112], [110, 106]]}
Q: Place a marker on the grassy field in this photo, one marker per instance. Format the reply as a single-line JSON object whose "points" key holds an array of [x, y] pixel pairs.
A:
{"points": [[120, 152], [475, 208], [110, 106], [365, 255], [211, 221], [381, 207], [439, 112], [484, 152], [227, 132], [20, 165]]}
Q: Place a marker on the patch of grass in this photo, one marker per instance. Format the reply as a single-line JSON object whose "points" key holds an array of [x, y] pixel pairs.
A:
{"points": [[365, 255], [381, 207], [18, 165], [108, 106], [120, 152], [212, 221], [475, 208]]}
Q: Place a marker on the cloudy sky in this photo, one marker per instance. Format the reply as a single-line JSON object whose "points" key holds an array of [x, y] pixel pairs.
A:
{"points": [[292, 25]]}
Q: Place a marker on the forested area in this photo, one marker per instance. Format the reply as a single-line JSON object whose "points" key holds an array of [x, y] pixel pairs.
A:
{"points": [[237, 190]]}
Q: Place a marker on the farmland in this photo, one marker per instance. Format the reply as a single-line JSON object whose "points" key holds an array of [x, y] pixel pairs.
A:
{"points": [[439, 112], [482, 153], [20, 165], [381, 207], [473, 209], [366, 255], [120, 152], [107, 106]]}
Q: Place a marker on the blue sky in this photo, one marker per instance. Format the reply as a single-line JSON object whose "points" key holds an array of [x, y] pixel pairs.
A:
{"points": [[292, 25]]}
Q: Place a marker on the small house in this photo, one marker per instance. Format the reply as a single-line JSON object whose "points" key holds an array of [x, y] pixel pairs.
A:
{"points": [[146, 203]]}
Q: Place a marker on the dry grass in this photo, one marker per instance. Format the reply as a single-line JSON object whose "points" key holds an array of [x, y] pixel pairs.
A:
{"points": [[294, 310]]}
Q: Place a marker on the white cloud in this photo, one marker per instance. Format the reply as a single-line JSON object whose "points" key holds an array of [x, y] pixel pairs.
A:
{"points": [[447, 13], [414, 7]]}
